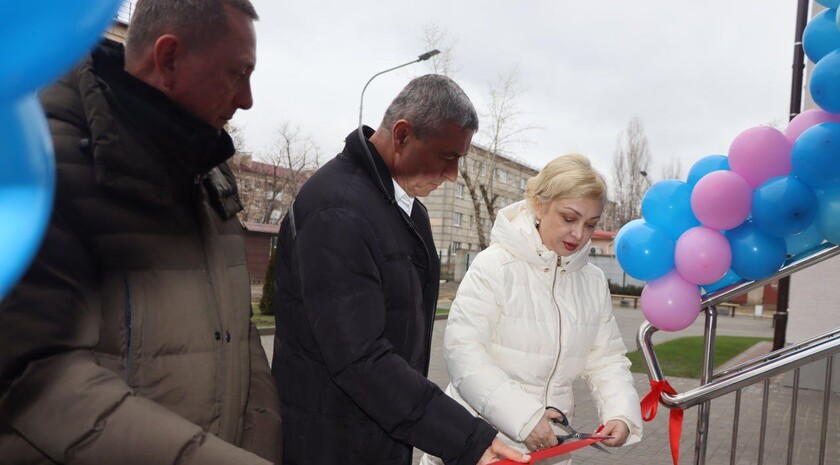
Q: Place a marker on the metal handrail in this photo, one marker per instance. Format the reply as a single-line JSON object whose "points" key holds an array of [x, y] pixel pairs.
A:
{"points": [[760, 368], [745, 374], [804, 260]]}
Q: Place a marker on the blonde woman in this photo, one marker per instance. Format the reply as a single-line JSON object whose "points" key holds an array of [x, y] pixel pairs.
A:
{"points": [[532, 315]]}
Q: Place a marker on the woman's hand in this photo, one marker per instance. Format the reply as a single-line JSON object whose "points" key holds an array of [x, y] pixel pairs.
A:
{"points": [[619, 432], [543, 435]]}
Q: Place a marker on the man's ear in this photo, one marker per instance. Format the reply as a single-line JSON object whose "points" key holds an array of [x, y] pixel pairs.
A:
{"points": [[400, 133], [167, 50]]}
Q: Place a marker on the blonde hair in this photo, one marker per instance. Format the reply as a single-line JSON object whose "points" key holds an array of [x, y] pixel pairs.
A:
{"points": [[567, 176]]}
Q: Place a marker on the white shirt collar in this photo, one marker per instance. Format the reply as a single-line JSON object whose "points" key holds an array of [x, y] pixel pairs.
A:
{"points": [[405, 201]]}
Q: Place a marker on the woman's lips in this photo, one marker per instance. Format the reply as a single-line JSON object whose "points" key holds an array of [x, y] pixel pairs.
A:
{"points": [[569, 246]]}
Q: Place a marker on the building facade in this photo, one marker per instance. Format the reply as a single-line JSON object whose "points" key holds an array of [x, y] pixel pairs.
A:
{"points": [[260, 240], [452, 212], [265, 190]]}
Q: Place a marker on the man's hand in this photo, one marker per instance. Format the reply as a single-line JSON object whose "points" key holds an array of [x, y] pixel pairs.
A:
{"points": [[543, 436], [619, 432], [500, 451]]}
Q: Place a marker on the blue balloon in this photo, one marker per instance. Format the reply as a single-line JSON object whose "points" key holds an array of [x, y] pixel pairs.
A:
{"points": [[727, 280], [755, 254], [705, 166], [829, 3], [815, 156], [804, 241], [644, 251], [823, 86], [821, 35], [784, 206], [43, 38], [27, 185], [828, 215], [667, 204]]}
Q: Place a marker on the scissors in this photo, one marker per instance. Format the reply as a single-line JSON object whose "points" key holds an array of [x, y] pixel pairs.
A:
{"points": [[574, 434]]}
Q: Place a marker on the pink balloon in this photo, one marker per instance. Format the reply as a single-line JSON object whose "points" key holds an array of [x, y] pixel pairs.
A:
{"points": [[721, 200], [806, 119], [702, 255], [671, 303], [759, 154]]}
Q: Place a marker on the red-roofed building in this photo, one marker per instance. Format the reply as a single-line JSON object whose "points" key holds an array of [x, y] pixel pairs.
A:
{"points": [[259, 240], [603, 243]]}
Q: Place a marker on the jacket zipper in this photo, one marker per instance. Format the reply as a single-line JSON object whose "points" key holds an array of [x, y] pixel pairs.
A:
{"points": [[429, 321], [128, 328], [225, 408], [560, 320]]}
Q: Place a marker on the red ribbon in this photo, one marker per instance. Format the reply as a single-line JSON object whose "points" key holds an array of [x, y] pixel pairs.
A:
{"points": [[559, 449], [650, 403]]}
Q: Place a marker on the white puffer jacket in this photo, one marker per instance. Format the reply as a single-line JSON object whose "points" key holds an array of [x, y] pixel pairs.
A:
{"points": [[524, 327]]}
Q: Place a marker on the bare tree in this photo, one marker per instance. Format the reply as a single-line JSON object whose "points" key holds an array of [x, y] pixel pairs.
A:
{"points": [[436, 38], [292, 156], [500, 130], [238, 136], [631, 162], [268, 187], [673, 170]]}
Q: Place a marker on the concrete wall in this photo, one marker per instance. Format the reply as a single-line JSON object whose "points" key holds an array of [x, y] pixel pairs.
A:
{"points": [[613, 271], [815, 309]]}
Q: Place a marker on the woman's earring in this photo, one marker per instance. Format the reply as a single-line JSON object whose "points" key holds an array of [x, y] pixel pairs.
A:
{"points": [[537, 223]]}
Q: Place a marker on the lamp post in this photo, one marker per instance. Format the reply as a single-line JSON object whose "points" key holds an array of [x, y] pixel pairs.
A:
{"points": [[420, 58], [780, 316], [644, 175]]}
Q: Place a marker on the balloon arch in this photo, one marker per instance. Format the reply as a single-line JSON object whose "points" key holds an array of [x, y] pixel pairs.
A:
{"points": [[739, 217]]}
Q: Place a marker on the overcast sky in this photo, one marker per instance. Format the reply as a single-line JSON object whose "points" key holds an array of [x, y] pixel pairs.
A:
{"points": [[696, 72]]}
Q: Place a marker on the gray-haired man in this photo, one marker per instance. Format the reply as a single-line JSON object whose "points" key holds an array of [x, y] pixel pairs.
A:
{"points": [[129, 340], [357, 284]]}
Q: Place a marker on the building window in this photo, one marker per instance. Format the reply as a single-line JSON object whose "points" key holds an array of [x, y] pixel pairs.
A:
{"points": [[501, 175], [522, 183], [455, 246], [459, 190], [456, 219], [269, 195], [275, 216]]}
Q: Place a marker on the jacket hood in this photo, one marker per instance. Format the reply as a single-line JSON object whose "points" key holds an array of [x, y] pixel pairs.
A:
{"points": [[514, 231]]}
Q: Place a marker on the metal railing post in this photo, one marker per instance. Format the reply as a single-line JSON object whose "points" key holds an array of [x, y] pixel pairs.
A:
{"points": [[704, 410]]}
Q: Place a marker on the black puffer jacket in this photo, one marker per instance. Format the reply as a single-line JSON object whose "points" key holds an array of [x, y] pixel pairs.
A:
{"points": [[129, 339], [357, 283]]}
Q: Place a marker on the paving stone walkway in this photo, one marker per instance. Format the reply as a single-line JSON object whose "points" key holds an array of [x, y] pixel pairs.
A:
{"points": [[654, 448]]}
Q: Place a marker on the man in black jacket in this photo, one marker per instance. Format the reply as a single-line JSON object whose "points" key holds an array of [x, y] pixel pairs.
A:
{"points": [[357, 284]]}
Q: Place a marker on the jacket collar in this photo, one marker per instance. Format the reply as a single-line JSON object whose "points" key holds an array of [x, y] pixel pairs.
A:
{"points": [[514, 230], [354, 151], [144, 145]]}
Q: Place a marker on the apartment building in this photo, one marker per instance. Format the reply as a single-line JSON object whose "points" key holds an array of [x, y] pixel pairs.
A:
{"points": [[452, 214]]}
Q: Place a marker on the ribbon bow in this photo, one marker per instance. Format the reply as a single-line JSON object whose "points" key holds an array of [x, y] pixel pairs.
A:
{"points": [[650, 404]]}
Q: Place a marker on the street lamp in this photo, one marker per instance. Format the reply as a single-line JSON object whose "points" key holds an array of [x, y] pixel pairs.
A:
{"points": [[644, 175], [420, 58]]}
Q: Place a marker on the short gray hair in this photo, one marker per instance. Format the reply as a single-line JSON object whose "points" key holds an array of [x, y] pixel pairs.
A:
{"points": [[196, 21], [428, 103]]}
